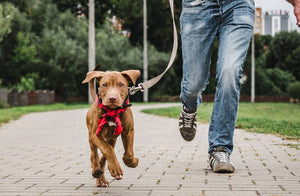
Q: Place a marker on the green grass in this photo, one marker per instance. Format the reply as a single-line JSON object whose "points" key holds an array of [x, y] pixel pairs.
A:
{"points": [[275, 118], [16, 112]]}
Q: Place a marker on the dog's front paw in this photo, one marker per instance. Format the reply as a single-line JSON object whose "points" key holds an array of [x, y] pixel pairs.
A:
{"points": [[97, 172], [115, 170], [102, 182], [133, 162]]}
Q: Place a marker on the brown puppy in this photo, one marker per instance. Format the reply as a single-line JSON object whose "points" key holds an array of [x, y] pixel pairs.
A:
{"points": [[113, 94]]}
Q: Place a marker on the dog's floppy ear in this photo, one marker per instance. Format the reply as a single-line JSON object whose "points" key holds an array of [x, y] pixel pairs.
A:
{"points": [[132, 75], [91, 75]]}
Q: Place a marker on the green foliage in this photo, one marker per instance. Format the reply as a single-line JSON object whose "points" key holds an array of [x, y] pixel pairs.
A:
{"points": [[103, 8], [157, 64], [27, 83], [25, 53], [65, 55], [293, 63], [7, 12], [258, 44], [3, 104], [158, 19], [264, 85], [114, 51], [272, 79], [282, 49], [267, 39], [280, 78], [49, 38], [54, 44], [294, 90], [10, 71], [131, 12]]}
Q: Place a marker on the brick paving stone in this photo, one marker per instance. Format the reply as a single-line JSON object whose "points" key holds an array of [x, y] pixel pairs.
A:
{"points": [[48, 154]]}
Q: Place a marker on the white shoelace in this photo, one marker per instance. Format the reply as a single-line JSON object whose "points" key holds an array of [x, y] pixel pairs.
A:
{"points": [[221, 157], [189, 119]]}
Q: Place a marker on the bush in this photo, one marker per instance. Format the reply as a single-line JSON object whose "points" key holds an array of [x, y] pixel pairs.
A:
{"points": [[294, 90], [280, 78], [1, 83], [3, 104], [27, 83]]}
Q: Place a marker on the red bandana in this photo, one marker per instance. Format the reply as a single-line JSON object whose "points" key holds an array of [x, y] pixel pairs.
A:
{"points": [[111, 114]]}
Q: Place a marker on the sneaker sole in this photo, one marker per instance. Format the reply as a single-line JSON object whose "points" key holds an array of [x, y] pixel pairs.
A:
{"points": [[188, 135], [224, 168]]}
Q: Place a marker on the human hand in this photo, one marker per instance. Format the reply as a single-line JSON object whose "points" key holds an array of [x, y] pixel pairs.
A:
{"points": [[296, 4]]}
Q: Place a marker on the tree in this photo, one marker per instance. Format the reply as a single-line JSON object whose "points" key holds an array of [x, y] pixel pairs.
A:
{"points": [[103, 8], [293, 63], [280, 78], [7, 12], [25, 55], [282, 46], [53, 44], [294, 90], [63, 47], [159, 21], [8, 69], [263, 84], [267, 40], [115, 52]]}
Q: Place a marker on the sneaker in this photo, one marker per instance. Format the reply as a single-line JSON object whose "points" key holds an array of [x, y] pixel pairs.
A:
{"points": [[187, 125], [219, 161]]}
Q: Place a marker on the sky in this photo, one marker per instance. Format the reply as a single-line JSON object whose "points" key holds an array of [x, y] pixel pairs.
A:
{"points": [[268, 5]]}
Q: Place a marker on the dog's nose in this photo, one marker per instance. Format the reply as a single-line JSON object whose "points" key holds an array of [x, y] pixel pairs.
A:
{"points": [[112, 99]]}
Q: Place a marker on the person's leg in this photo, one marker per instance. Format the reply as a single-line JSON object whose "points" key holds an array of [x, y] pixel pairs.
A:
{"points": [[198, 30], [234, 38]]}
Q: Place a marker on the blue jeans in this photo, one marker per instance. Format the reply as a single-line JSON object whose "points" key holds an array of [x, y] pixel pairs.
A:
{"points": [[201, 21]]}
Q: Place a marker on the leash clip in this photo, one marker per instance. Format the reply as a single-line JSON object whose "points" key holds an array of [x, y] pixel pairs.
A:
{"points": [[135, 89]]}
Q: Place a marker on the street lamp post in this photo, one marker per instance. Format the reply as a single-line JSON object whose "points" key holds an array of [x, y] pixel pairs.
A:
{"points": [[145, 56], [92, 58], [253, 71]]}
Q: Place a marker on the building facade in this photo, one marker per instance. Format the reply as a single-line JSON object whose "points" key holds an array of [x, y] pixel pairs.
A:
{"points": [[258, 25], [276, 21]]}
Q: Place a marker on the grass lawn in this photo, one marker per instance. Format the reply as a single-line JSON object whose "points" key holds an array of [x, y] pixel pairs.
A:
{"points": [[16, 112], [275, 118]]}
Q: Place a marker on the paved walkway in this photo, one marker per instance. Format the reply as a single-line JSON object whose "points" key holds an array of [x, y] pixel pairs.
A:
{"points": [[48, 154]]}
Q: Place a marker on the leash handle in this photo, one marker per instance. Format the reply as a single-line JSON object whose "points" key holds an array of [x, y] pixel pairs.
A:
{"points": [[153, 81]]}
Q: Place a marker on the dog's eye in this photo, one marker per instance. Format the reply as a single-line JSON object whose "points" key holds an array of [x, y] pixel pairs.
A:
{"points": [[104, 85], [121, 84]]}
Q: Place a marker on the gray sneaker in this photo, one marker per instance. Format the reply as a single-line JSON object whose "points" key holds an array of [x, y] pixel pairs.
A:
{"points": [[187, 125], [219, 161]]}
